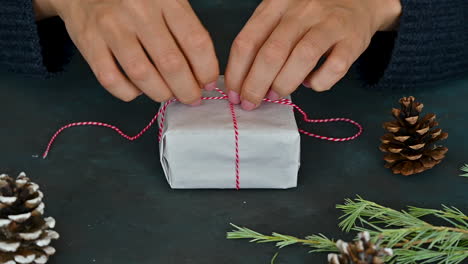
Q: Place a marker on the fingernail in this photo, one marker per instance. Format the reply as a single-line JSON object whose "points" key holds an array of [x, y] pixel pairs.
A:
{"points": [[272, 95], [246, 105], [234, 97], [305, 84], [197, 103], [211, 86]]}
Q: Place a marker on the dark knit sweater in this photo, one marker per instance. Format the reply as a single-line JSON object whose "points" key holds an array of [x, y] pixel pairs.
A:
{"points": [[430, 45], [30, 48]]}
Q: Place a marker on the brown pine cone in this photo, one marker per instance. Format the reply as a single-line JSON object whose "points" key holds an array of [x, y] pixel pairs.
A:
{"points": [[410, 143], [362, 251], [25, 234]]}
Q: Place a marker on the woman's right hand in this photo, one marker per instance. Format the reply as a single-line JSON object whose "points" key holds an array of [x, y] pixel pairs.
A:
{"points": [[160, 45]]}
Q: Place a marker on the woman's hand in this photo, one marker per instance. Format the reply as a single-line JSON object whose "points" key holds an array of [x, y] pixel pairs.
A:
{"points": [[160, 45], [282, 42]]}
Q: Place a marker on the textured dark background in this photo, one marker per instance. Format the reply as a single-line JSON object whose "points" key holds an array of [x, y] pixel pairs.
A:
{"points": [[112, 202]]}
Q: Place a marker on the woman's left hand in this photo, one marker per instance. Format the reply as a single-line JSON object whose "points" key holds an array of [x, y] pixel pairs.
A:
{"points": [[282, 42]]}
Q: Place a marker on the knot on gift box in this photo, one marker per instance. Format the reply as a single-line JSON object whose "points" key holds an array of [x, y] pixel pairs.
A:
{"points": [[163, 109]]}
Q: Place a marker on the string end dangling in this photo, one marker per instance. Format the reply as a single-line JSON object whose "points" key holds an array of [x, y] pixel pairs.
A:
{"points": [[99, 124]]}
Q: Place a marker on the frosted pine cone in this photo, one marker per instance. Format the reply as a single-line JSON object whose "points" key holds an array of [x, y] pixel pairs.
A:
{"points": [[25, 234], [362, 251]]}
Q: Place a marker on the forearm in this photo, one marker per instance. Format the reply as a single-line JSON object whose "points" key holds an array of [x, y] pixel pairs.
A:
{"points": [[43, 9], [392, 17]]}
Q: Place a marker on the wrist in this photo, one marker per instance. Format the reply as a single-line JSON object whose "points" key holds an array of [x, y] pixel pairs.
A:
{"points": [[390, 15], [43, 9]]}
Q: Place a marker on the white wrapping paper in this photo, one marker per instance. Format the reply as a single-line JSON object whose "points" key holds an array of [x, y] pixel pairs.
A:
{"points": [[197, 148]]}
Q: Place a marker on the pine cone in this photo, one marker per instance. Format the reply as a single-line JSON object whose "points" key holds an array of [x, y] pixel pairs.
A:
{"points": [[25, 234], [362, 251], [410, 144]]}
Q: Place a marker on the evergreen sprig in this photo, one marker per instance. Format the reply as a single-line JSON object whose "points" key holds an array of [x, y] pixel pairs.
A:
{"points": [[464, 169], [319, 243], [413, 239]]}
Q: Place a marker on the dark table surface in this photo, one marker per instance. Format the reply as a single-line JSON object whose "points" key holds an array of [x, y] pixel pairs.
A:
{"points": [[113, 205]]}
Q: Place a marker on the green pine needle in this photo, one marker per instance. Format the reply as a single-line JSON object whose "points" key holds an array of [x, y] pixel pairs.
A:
{"points": [[421, 255], [464, 169], [273, 259], [450, 214]]}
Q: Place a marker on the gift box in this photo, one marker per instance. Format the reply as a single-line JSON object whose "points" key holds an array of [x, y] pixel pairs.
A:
{"points": [[219, 145], [198, 145]]}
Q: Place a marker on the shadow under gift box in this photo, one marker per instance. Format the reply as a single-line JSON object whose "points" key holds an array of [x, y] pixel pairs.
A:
{"points": [[197, 147]]}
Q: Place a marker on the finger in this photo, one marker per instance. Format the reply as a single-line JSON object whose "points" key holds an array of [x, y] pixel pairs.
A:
{"points": [[170, 61], [270, 59], [272, 95], [104, 67], [247, 44], [304, 58], [334, 68], [194, 40], [134, 61]]}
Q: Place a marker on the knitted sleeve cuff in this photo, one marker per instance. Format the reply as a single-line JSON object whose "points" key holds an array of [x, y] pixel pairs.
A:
{"points": [[37, 49], [431, 45]]}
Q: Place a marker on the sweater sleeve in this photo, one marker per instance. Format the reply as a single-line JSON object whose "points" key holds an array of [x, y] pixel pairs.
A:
{"points": [[36, 49], [431, 45]]}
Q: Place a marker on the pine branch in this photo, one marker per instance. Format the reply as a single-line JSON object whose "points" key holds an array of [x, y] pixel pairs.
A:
{"points": [[319, 243], [415, 238], [359, 209], [447, 213], [464, 169]]}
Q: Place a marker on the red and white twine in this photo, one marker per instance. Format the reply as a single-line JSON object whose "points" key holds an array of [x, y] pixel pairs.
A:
{"points": [[236, 141], [162, 113]]}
